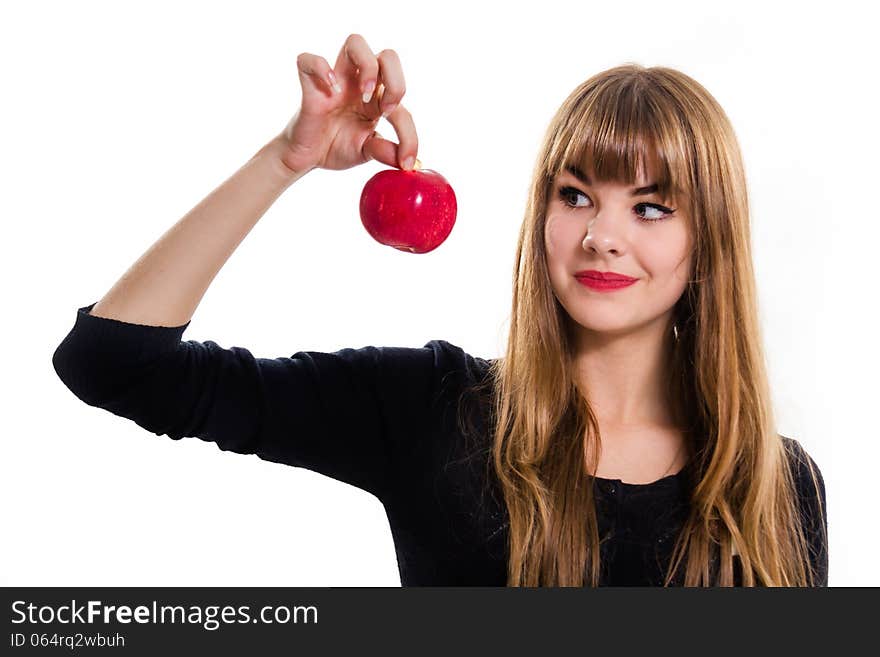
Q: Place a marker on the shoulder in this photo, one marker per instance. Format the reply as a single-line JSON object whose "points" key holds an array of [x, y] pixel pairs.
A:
{"points": [[457, 365], [812, 505], [434, 355], [437, 370], [810, 487], [462, 383], [808, 476]]}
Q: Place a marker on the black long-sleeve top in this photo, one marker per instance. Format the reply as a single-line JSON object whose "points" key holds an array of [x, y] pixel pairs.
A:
{"points": [[382, 419]]}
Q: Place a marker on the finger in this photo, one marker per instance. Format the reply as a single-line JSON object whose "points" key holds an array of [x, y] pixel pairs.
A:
{"points": [[403, 124], [391, 75], [315, 74], [359, 63], [376, 101], [380, 149]]}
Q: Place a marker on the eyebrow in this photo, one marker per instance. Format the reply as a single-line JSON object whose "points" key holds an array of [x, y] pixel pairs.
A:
{"points": [[584, 178]]}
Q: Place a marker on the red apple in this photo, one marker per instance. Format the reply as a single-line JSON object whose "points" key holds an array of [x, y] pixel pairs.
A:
{"points": [[409, 210]]}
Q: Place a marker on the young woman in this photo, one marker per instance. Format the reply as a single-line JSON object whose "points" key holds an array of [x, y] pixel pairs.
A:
{"points": [[626, 437]]}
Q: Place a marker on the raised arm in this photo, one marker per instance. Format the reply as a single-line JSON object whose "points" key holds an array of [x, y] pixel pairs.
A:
{"points": [[165, 285], [345, 414], [334, 129]]}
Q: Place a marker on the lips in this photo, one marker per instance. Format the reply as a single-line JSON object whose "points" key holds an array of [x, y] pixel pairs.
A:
{"points": [[608, 276]]}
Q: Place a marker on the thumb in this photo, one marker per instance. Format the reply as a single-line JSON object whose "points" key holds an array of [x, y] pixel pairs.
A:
{"points": [[376, 147]]}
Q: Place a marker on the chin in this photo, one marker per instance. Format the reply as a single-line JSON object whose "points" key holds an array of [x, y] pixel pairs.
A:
{"points": [[603, 322]]}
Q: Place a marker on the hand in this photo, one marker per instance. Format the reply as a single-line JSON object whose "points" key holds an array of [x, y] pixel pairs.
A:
{"points": [[335, 128]]}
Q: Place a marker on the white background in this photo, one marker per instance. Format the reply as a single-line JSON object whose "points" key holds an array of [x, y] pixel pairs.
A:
{"points": [[120, 117]]}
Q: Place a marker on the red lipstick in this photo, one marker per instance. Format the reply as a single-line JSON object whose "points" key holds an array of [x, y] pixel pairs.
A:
{"points": [[604, 280]]}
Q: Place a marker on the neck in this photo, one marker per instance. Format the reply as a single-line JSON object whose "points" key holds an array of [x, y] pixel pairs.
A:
{"points": [[625, 375]]}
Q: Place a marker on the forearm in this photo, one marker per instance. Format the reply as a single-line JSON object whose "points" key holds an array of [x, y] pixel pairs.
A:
{"points": [[165, 285]]}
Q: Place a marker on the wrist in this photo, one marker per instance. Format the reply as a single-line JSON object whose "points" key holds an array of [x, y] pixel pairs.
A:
{"points": [[274, 153]]}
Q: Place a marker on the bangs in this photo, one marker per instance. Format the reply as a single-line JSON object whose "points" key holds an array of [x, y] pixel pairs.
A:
{"points": [[620, 135]]}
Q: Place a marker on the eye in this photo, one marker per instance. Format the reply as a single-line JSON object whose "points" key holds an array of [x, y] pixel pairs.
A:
{"points": [[657, 212], [565, 193], [653, 211]]}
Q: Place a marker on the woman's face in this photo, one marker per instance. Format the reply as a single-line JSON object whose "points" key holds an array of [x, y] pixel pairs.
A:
{"points": [[610, 227]]}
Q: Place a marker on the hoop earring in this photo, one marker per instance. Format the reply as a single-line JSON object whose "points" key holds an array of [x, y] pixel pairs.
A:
{"points": [[675, 331]]}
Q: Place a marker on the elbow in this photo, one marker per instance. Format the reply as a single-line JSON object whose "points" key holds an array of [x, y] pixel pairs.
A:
{"points": [[73, 369]]}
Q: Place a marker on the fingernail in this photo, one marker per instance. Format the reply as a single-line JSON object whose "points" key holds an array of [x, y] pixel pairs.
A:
{"points": [[408, 163], [388, 111], [368, 91], [334, 82]]}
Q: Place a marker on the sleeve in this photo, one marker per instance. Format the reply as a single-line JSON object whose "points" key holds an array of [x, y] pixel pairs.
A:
{"points": [[811, 489], [351, 415]]}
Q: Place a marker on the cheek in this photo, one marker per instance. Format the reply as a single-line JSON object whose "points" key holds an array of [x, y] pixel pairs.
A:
{"points": [[555, 236], [550, 236], [667, 257]]}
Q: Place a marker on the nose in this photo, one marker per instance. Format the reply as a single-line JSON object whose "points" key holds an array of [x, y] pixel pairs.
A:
{"points": [[604, 235]]}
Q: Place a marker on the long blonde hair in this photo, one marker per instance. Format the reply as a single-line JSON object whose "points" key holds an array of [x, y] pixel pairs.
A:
{"points": [[543, 432]]}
